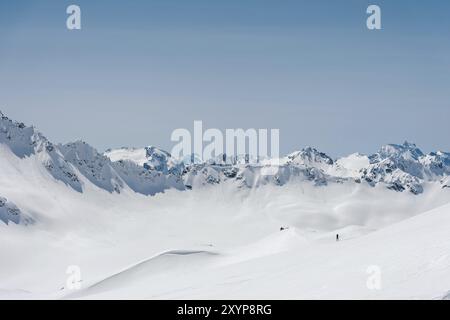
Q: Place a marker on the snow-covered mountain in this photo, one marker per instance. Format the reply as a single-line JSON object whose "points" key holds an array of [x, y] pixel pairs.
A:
{"points": [[406, 167], [73, 163], [151, 170], [397, 167], [25, 141], [215, 223]]}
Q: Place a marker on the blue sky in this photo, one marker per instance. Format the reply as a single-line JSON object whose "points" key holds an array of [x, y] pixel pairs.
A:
{"points": [[139, 69]]}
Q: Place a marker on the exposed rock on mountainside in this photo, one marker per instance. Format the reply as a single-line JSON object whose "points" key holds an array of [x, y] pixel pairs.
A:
{"points": [[151, 170], [10, 213]]}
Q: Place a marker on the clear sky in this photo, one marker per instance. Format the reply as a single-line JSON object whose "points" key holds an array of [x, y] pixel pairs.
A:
{"points": [[139, 69]]}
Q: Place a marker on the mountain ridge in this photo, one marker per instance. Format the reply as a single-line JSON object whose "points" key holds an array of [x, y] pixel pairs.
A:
{"points": [[150, 170]]}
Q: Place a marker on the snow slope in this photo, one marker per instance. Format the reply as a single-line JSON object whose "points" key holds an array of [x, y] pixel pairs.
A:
{"points": [[136, 155], [216, 243], [136, 232], [412, 257]]}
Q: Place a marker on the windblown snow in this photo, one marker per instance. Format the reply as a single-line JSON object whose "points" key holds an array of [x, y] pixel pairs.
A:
{"points": [[136, 223]]}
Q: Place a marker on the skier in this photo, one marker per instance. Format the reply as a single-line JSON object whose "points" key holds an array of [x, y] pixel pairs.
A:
{"points": [[337, 236]]}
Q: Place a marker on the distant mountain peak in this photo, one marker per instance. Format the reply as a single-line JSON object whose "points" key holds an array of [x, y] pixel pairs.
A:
{"points": [[149, 170], [310, 156]]}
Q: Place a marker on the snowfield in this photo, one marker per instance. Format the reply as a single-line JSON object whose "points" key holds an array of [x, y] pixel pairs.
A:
{"points": [[149, 228], [136, 155]]}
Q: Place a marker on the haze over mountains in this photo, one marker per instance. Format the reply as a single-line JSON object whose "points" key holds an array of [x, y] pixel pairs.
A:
{"points": [[133, 218], [402, 167]]}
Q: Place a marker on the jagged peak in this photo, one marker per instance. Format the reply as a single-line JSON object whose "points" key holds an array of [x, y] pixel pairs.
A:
{"points": [[406, 146], [398, 164], [78, 144], [311, 154], [407, 151], [23, 140], [82, 150]]}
